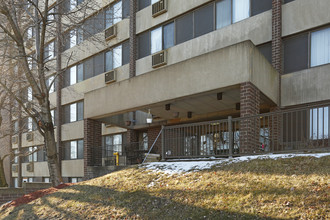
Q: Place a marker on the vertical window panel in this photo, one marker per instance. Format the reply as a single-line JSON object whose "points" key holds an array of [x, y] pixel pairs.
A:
{"points": [[80, 72], [156, 40], [241, 10], [73, 38], [73, 150], [108, 61], [117, 56], [80, 111], [168, 35], [73, 75], [80, 150], [223, 13], [88, 68], [143, 45], [320, 47], [117, 12], [143, 4], [73, 112], [204, 20], [98, 64], [295, 53], [125, 53], [184, 28]]}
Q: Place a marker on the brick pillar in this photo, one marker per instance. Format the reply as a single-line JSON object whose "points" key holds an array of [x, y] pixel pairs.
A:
{"points": [[275, 122], [132, 147], [249, 128], [132, 38], [92, 145], [152, 135]]}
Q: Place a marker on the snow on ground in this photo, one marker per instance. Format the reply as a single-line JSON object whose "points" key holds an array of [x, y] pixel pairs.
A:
{"points": [[187, 166]]}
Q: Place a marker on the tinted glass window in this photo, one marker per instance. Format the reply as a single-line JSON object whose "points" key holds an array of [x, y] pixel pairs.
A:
{"points": [[80, 111], [80, 72], [125, 52], [156, 40], [241, 10], [80, 149], [296, 53], [320, 47], [98, 64], [88, 68], [168, 35], [143, 45], [143, 4], [266, 50], [125, 8], [259, 6], [184, 28], [108, 61], [88, 28], [203, 20], [99, 22]]}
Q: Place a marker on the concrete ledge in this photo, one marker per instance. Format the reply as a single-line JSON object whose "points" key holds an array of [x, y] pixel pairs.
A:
{"points": [[222, 68], [306, 86]]}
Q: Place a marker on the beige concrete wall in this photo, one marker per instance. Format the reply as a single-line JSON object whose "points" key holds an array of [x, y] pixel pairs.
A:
{"points": [[302, 15], [73, 168], [310, 85], [40, 169], [76, 92], [112, 130], [37, 139], [258, 29], [72, 131], [218, 69]]}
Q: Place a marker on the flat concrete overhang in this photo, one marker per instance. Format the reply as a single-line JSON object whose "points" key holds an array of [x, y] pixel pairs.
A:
{"points": [[221, 70]]}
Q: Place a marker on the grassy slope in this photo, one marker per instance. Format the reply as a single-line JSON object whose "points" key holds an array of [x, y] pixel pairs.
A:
{"points": [[281, 189]]}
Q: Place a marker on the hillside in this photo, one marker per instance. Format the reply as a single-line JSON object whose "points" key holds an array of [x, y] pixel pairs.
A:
{"points": [[262, 188]]}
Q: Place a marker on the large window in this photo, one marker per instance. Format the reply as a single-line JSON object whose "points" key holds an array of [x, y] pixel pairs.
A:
{"points": [[117, 57], [74, 150], [299, 54], [113, 144], [74, 112], [113, 14]]}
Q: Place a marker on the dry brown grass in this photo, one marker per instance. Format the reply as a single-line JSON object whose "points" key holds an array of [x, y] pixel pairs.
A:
{"points": [[295, 188]]}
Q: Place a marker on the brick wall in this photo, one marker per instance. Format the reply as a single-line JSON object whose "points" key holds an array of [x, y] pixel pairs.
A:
{"points": [[152, 135], [92, 144], [9, 194], [132, 39], [249, 128]]}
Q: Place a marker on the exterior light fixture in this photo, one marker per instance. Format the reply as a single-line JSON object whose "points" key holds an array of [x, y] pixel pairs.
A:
{"points": [[149, 117]]}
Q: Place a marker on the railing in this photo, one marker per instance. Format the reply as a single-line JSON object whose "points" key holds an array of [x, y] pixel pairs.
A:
{"points": [[292, 130]]}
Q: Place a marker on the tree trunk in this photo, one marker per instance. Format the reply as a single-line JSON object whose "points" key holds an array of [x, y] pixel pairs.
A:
{"points": [[53, 162], [3, 182]]}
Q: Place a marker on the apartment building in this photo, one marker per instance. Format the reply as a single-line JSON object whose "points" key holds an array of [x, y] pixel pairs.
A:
{"points": [[180, 63]]}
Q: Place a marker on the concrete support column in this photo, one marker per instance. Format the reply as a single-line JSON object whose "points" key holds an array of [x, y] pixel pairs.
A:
{"points": [[249, 128], [92, 145]]}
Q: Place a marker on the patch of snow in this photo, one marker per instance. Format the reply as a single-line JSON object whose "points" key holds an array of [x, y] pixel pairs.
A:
{"points": [[188, 166]]}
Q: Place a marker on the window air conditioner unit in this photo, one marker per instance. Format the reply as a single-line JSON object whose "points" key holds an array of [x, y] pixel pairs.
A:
{"points": [[159, 59], [14, 139], [30, 167], [159, 8], [14, 168], [29, 136], [110, 76], [110, 32]]}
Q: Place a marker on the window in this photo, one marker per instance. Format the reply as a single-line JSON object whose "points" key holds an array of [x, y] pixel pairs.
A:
{"points": [[16, 157], [30, 32], [113, 144], [203, 20], [30, 124], [143, 45], [295, 53], [74, 112], [184, 28], [156, 40], [113, 14], [46, 180], [15, 182], [223, 12], [319, 123], [52, 112], [50, 51], [33, 154], [266, 50], [29, 94], [76, 75], [259, 6], [241, 10], [287, 1], [320, 47], [117, 57], [143, 137], [41, 154], [51, 15], [76, 36], [16, 128], [168, 34], [75, 179], [51, 84], [74, 150]]}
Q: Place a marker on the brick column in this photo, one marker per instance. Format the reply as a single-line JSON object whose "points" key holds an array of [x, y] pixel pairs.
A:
{"points": [[249, 128], [152, 135], [132, 147], [92, 145], [132, 38], [277, 55]]}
